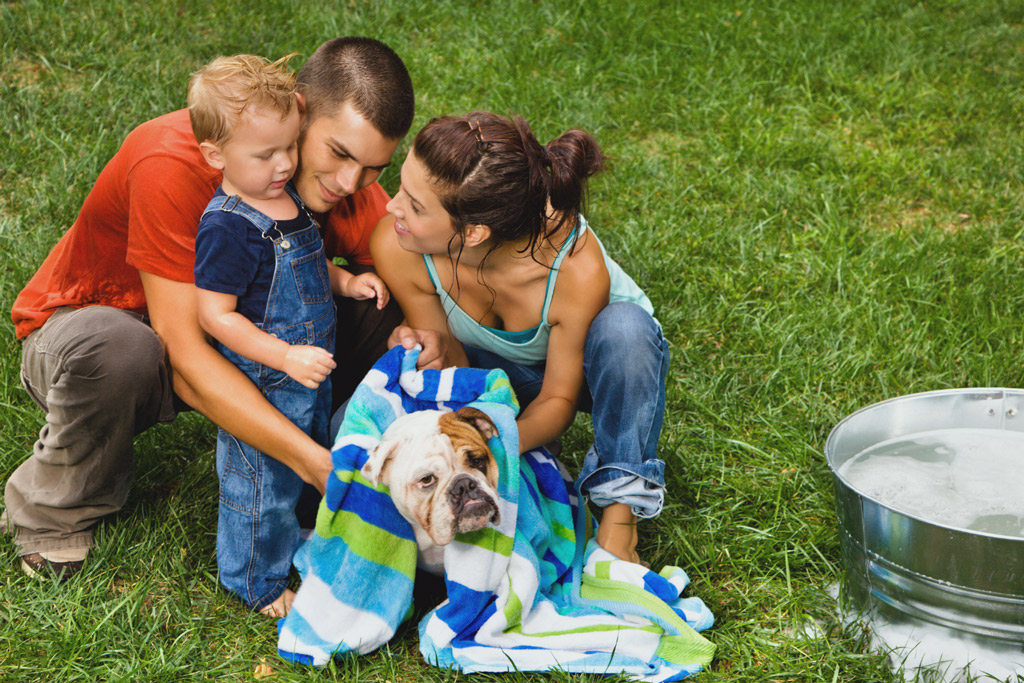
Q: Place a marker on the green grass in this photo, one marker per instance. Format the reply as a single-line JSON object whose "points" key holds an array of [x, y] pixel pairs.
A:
{"points": [[823, 199]]}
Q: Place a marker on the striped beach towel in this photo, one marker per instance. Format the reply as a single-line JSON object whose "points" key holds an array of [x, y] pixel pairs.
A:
{"points": [[534, 594]]}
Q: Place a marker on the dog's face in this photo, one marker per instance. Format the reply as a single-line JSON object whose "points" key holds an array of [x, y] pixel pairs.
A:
{"points": [[440, 471]]}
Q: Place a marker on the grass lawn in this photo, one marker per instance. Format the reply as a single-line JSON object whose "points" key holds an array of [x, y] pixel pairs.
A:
{"points": [[823, 200]]}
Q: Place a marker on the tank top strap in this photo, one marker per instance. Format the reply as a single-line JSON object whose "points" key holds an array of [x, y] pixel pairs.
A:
{"points": [[549, 291], [435, 280]]}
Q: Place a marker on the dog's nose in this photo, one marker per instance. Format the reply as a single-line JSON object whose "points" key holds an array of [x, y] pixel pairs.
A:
{"points": [[462, 486]]}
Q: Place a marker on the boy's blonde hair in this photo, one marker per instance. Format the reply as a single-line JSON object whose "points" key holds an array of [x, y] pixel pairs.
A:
{"points": [[221, 91]]}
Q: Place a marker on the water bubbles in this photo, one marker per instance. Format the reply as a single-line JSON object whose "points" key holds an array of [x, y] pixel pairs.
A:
{"points": [[969, 479], [1003, 525]]}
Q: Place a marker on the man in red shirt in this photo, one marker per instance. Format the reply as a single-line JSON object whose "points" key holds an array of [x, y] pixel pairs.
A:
{"points": [[109, 322]]}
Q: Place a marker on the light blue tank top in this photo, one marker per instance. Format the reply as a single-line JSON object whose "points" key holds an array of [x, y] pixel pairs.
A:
{"points": [[530, 347]]}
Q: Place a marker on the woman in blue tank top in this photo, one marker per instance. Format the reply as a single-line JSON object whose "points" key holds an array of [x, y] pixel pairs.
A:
{"points": [[485, 244]]}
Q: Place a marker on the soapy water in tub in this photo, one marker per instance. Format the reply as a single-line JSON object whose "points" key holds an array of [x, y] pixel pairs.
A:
{"points": [[970, 479]]}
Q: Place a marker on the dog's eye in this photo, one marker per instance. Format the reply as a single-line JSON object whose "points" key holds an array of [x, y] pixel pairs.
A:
{"points": [[479, 462], [427, 480]]}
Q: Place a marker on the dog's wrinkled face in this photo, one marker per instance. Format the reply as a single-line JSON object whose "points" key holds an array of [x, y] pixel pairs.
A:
{"points": [[441, 474]]}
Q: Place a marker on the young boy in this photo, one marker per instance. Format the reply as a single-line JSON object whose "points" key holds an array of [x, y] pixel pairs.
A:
{"points": [[264, 295]]}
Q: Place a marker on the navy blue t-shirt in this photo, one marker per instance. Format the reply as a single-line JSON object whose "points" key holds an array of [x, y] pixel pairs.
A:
{"points": [[233, 257]]}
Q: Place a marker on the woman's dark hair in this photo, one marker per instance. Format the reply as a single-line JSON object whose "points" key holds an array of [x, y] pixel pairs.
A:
{"points": [[492, 171]]}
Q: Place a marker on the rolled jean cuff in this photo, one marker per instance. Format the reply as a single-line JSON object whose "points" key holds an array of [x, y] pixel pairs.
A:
{"points": [[641, 488]]}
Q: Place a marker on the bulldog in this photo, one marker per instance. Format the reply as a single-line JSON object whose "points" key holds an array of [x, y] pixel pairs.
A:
{"points": [[441, 475]]}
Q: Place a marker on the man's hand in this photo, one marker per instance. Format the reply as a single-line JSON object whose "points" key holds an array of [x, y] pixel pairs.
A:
{"points": [[433, 353], [208, 382], [308, 365]]}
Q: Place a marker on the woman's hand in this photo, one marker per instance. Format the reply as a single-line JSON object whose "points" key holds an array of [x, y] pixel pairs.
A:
{"points": [[434, 350]]}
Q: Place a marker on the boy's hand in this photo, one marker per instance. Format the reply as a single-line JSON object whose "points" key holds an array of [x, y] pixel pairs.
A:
{"points": [[308, 365], [367, 286]]}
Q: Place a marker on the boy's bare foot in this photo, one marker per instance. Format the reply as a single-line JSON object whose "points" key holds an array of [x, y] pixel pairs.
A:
{"points": [[617, 533], [280, 607], [262, 670]]}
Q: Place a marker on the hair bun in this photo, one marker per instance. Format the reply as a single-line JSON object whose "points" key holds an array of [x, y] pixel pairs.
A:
{"points": [[574, 156]]}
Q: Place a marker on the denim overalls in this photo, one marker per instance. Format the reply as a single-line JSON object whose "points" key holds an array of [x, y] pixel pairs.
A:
{"points": [[257, 532]]}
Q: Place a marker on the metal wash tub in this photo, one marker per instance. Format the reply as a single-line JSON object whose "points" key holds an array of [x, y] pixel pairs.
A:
{"points": [[912, 570]]}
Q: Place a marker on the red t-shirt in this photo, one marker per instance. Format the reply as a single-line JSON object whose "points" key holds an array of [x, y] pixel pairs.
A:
{"points": [[142, 214]]}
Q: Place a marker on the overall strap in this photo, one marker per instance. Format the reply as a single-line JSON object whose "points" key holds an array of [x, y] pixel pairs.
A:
{"points": [[235, 205], [294, 194], [303, 209]]}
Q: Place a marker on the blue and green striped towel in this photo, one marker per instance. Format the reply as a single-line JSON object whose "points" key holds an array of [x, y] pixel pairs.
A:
{"points": [[530, 595]]}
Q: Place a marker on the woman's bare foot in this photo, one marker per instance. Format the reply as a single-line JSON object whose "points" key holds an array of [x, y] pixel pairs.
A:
{"points": [[617, 533], [280, 607]]}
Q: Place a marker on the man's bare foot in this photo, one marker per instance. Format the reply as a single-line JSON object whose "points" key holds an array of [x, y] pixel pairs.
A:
{"points": [[280, 607], [617, 533]]}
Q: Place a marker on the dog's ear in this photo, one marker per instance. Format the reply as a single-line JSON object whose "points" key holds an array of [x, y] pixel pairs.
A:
{"points": [[375, 469], [479, 419]]}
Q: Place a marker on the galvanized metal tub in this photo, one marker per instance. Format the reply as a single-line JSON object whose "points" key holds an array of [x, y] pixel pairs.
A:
{"points": [[909, 569]]}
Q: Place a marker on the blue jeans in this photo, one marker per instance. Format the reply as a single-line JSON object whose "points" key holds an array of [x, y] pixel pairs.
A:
{"points": [[625, 363], [257, 531]]}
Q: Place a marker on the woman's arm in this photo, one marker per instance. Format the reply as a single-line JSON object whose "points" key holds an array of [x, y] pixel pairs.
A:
{"points": [[581, 291], [406, 276]]}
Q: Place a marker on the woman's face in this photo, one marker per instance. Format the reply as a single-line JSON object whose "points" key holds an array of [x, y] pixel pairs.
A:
{"points": [[421, 223]]}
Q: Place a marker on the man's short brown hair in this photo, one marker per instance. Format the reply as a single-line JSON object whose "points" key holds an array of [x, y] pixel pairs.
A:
{"points": [[222, 90], [361, 72]]}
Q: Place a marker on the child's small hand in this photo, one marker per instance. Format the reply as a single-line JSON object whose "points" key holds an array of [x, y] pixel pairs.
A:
{"points": [[367, 286], [308, 365]]}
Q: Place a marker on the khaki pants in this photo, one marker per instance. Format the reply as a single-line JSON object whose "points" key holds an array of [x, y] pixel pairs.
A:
{"points": [[101, 376]]}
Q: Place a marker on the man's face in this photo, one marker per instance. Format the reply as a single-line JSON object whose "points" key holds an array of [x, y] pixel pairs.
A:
{"points": [[338, 154]]}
